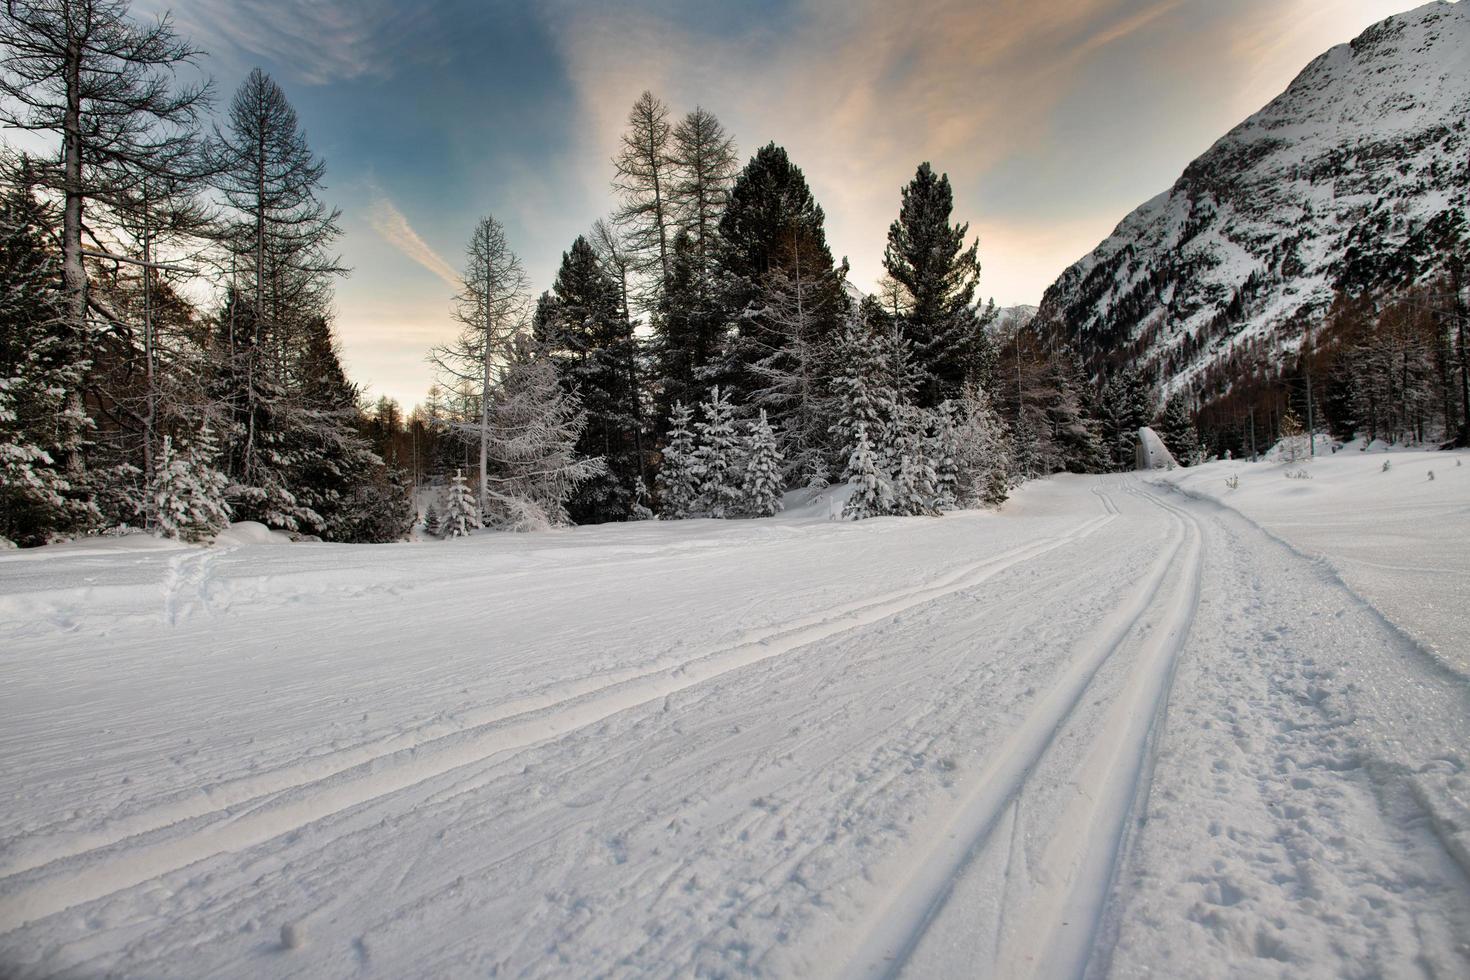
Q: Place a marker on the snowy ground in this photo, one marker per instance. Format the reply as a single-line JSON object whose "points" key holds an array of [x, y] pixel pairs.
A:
{"points": [[1115, 728]]}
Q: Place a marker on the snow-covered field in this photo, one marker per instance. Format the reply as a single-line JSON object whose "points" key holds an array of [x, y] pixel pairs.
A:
{"points": [[1115, 727]]}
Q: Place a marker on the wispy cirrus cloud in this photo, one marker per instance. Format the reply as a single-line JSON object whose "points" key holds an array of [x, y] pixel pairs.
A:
{"points": [[393, 227], [318, 42]]}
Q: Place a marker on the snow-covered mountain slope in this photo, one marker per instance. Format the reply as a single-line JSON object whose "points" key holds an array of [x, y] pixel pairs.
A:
{"points": [[1354, 177]]}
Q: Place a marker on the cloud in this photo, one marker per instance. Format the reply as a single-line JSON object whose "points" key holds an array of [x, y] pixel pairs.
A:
{"points": [[860, 91], [393, 228], [316, 41]]}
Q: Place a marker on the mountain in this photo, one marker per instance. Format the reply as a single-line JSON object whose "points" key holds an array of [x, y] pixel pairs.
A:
{"points": [[1354, 178]]}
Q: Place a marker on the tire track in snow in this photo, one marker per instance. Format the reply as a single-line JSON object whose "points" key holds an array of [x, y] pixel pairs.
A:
{"points": [[1063, 918], [301, 795]]}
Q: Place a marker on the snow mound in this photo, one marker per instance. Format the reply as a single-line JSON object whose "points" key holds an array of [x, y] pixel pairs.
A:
{"points": [[1151, 453], [251, 532]]}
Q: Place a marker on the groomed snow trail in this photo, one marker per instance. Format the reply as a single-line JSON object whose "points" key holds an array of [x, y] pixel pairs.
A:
{"points": [[1111, 731]]}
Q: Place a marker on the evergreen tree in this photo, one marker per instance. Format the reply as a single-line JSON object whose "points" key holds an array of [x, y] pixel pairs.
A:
{"points": [[928, 258], [432, 520], [915, 481], [861, 395], [40, 372], [186, 496], [581, 325], [535, 427], [678, 481], [461, 514], [1175, 426], [688, 332], [763, 481], [944, 451], [717, 459], [1125, 406], [985, 453], [105, 87], [872, 493], [1072, 434], [773, 226]]}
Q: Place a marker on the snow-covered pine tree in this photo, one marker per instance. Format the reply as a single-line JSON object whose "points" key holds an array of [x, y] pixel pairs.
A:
{"points": [[461, 514], [39, 370], [533, 432], [432, 519], [872, 494], [984, 451], [861, 395], [915, 482], [1125, 406], [717, 460], [1175, 426], [186, 498], [763, 483], [678, 482], [944, 453]]}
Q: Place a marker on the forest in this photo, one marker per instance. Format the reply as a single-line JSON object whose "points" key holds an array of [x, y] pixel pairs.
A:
{"points": [[169, 362]]}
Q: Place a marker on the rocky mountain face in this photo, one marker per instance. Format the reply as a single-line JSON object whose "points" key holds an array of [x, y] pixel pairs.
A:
{"points": [[1354, 179]]}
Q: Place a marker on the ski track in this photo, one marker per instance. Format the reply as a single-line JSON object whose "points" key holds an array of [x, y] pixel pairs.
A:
{"points": [[245, 818], [1063, 919], [1056, 846]]}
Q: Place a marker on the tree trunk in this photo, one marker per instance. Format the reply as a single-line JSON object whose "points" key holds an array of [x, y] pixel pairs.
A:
{"points": [[73, 272]]}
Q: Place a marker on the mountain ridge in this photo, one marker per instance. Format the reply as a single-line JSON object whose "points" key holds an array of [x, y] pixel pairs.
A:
{"points": [[1354, 178]]}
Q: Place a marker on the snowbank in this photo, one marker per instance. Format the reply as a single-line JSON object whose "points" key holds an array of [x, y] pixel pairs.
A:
{"points": [[1394, 526]]}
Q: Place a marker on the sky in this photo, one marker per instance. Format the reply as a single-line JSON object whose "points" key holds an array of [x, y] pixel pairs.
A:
{"points": [[1052, 119]]}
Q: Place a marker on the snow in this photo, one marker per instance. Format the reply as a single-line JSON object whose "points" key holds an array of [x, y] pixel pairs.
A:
{"points": [[1116, 726], [1152, 453], [1361, 151], [1394, 536]]}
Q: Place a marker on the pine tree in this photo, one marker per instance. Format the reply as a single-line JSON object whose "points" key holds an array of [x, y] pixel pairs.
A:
{"points": [[535, 428], [773, 226], [187, 494], [105, 88], [432, 520], [1125, 406], [872, 493], [1175, 426], [944, 451], [860, 393], [461, 514], [763, 482], [582, 327], [928, 258], [915, 482], [717, 460], [1072, 435], [678, 481], [40, 371], [986, 457]]}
